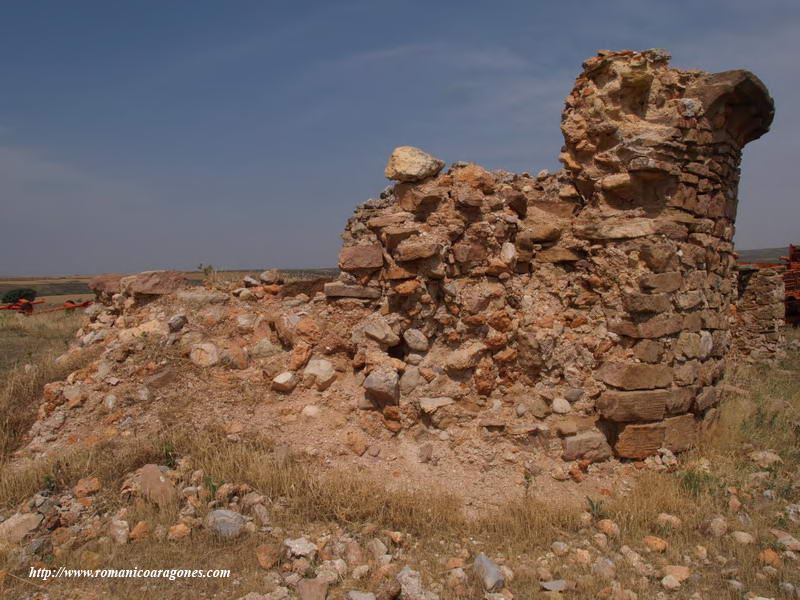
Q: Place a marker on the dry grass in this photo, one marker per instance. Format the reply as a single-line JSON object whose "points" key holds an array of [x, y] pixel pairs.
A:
{"points": [[308, 495], [108, 460], [27, 339], [307, 501], [30, 346]]}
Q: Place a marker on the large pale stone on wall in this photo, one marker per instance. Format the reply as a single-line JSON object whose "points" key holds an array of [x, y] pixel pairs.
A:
{"points": [[540, 231], [321, 372], [415, 249], [408, 163], [615, 229], [382, 385], [646, 303], [644, 405], [379, 330]]}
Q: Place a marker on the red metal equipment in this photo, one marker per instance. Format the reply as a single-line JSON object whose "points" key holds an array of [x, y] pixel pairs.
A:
{"points": [[26, 306], [791, 279], [22, 305]]}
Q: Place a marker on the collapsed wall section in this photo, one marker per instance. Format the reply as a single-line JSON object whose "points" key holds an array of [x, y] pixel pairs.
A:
{"points": [[600, 294], [759, 315]]}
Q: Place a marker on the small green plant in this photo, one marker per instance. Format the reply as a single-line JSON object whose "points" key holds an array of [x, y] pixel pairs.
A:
{"points": [[696, 482], [207, 270], [212, 487], [210, 274], [49, 485], [528, 481], [596, 509], [169, 455], [12, 296], [662, 529]]}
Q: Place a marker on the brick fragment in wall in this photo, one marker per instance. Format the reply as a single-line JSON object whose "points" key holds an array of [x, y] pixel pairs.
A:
{"points": [[647, 405], [644, 405], [635, 376], [640, 441]]}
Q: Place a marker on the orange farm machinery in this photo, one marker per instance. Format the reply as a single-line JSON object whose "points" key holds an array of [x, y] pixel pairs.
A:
{"points": [[26, 307]]}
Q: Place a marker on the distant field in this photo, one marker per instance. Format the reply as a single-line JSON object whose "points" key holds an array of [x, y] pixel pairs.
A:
{"points": [[74, 287], [47, 287], [763, 254], [61, 298]]}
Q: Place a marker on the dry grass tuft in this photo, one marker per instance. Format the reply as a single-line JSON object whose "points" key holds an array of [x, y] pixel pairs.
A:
{"points": [[527, 523], [108, 460], [30, 346], [309, 496]]}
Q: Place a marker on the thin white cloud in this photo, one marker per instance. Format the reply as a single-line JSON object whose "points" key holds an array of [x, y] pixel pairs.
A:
{"points": [[453, 55], [447, 54]]}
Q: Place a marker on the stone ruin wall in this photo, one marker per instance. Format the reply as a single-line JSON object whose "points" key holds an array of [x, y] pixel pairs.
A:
{"points": [[759, 314], [602, 291]]}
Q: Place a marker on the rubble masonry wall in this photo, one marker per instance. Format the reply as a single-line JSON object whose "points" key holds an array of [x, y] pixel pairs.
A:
{"points": [[602, 291]]}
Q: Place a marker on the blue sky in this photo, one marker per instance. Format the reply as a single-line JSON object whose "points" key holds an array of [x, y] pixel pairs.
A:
{"points": [[161, 134]]}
